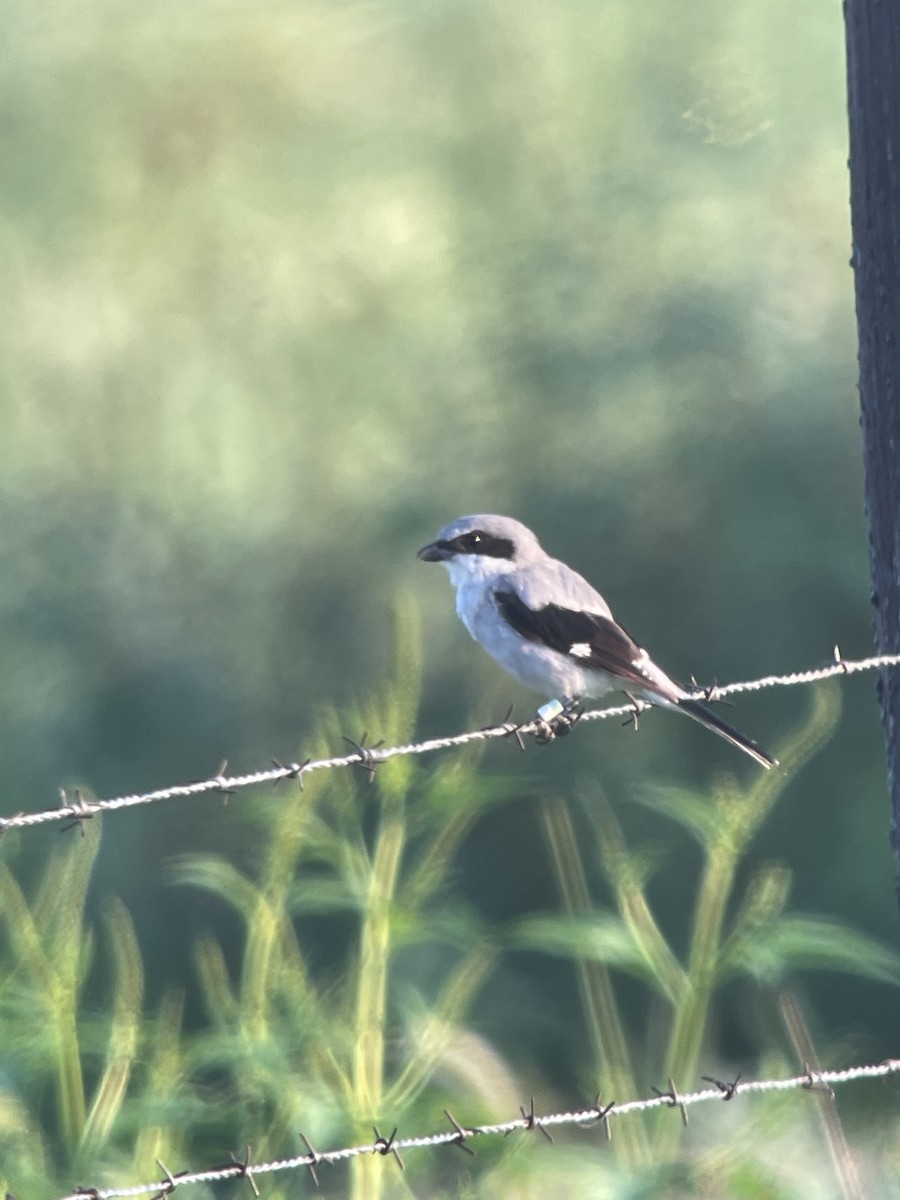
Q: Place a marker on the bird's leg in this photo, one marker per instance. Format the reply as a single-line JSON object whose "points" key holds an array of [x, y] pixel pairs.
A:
{"points": [[544, 721], [569, 717], [556, 718], [639, 707]]}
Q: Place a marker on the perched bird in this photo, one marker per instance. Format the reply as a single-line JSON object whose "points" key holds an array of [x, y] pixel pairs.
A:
{"points": [[546, 625]]}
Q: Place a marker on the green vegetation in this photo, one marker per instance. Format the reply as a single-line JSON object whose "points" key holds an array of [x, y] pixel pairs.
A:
{"points": [[285, 288], [352, 998]]}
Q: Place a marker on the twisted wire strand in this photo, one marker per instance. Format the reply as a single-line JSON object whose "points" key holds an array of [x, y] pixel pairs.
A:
{"points": [[78, 808], [459, 1134]]}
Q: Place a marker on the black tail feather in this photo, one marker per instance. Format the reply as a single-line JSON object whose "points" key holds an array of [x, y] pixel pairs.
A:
{"points": [[702, 714]]}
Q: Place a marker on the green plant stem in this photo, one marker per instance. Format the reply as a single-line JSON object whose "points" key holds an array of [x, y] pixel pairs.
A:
{"points": [[69, 1080], [692, 1013], [595, 984], [266, 925], [740, 816], [371, 1003]]}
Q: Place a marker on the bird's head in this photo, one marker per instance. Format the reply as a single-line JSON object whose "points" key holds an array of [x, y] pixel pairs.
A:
{"points": [[477, 547]]}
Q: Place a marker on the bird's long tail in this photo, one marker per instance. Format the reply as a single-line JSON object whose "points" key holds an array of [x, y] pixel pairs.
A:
{"points": [[702, 714]]}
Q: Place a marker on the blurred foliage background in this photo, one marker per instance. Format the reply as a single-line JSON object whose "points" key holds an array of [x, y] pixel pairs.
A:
{"points": [[288, 286]]}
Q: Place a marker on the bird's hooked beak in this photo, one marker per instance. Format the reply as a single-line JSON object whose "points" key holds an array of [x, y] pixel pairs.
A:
{"points": [[435, 552]]}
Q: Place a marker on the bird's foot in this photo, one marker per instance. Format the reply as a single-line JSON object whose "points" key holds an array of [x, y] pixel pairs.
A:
{"points": [[556, 719]]}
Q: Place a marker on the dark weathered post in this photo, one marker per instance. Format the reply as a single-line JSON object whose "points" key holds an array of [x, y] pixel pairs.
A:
{"points": [[873, 81]]}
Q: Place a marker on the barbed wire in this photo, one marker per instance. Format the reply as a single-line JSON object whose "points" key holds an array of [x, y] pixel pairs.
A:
{"points": [[459, 1135], [77, 808]]}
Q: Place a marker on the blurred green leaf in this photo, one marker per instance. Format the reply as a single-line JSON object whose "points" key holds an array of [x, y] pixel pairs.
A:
{"points": [[219, 997], [458, 926], [600, 936], [322, 895], [125, 1028], [691, 810], [628, 871], [762, 905], [810, 943], [219, 877]]}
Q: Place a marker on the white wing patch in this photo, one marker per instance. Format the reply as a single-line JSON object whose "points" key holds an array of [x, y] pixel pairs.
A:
{"points": [[580, 650]]}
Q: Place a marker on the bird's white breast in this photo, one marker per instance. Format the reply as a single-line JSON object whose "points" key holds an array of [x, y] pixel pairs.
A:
{"points": [[530, 663]]}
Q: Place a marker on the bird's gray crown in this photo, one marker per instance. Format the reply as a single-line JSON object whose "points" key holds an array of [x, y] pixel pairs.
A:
{"points": [[485, 534]]}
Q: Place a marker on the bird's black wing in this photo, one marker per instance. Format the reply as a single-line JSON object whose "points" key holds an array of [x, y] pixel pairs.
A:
{"points": [[589, 639], [596, 641]]}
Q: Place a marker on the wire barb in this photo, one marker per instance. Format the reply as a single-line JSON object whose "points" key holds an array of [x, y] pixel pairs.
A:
{"points": [[814, 1081], [79, 809], [710, 693], [673, 1100], [289, 771], [314, 1157], [369, 757], [365, 756], [634, 711], [461, 1133], [224, 790], [245, 1170], [728, 1090], [532, 1122], [601, 1111], [385, 1146], [509, 728], [171, 1182]]}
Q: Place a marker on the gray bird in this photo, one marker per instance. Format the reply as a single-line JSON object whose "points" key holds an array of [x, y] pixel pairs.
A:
{"points": [[548, 628]]}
